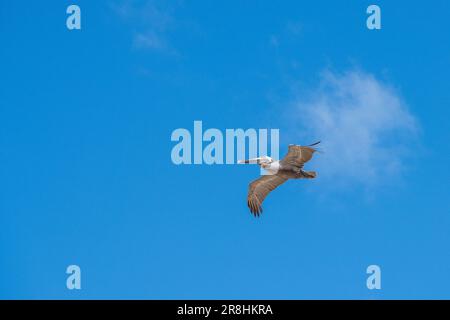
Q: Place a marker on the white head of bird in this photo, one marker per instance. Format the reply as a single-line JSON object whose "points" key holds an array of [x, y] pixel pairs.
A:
{"points": [[264, 162]]}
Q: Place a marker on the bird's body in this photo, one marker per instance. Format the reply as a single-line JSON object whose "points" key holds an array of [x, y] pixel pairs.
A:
{"points": [[290, 167], [273, 167]]}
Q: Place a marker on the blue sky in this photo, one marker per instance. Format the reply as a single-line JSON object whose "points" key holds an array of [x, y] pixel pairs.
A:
{"points": [[86, 177]]}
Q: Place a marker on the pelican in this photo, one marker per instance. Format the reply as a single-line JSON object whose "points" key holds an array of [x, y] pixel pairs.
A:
{"points": [[290, 167]]}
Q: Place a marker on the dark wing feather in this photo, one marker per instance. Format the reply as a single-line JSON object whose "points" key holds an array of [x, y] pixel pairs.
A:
{"points": [[259, 189], [297, 156]]}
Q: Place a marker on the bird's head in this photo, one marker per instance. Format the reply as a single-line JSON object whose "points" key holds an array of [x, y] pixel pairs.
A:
{"points": [[262, 161]]}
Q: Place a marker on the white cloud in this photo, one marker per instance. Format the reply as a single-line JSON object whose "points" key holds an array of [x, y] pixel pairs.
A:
{"points": [[365, 128], [149, 40], [151, 22]]}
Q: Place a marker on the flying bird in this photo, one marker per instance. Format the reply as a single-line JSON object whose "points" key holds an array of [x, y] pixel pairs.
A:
{"points": [[290, 167]]}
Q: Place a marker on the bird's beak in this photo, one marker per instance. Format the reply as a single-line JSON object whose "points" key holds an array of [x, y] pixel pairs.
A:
{"points": [[251, 161]]}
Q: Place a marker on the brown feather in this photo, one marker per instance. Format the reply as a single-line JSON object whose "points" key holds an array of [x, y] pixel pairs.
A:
{"points": [[259, 189], [297, 156]]}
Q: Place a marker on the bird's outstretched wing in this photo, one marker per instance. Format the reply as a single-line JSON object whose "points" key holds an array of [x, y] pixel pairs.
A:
{"points": [[297, 156], [259, 189]]}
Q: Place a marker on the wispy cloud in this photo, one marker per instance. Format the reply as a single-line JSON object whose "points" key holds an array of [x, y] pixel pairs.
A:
{"points": [[151, 22], [148, 40], [294, 28], [291, 30], [365, 126]]}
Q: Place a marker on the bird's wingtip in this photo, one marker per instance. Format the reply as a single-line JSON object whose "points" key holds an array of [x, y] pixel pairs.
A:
{"points": [[314, 144]]}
